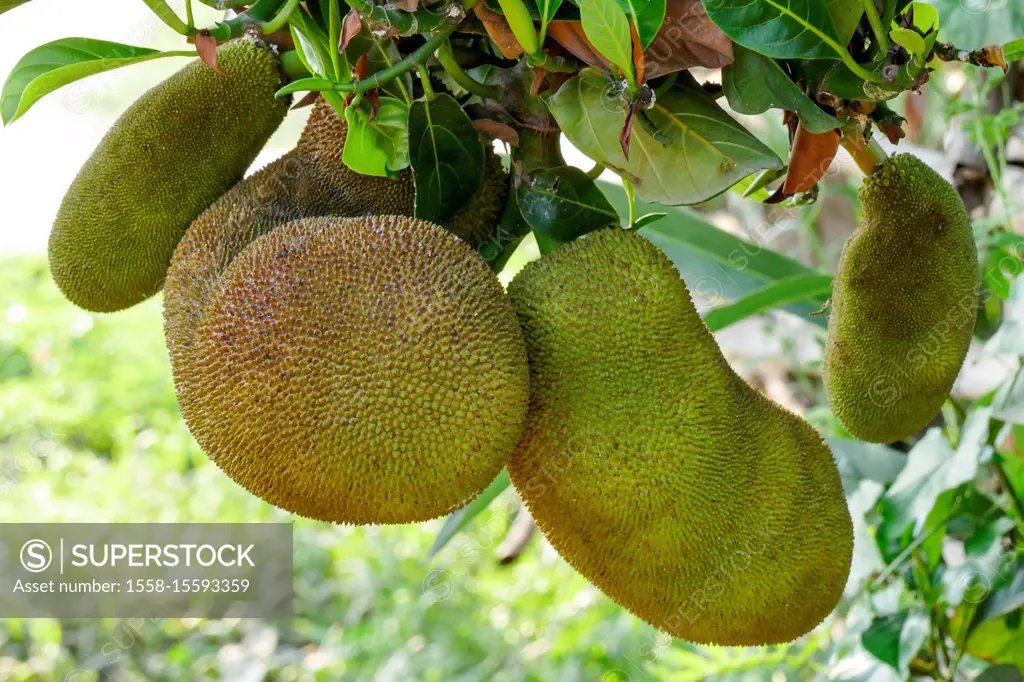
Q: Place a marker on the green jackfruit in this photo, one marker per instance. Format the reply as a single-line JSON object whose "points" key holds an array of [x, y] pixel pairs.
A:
{"points": [[903, 304], [358, 370], [656, 471], [173, 152]]}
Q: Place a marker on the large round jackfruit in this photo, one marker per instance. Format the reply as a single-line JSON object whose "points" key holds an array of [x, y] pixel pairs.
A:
{"points": [[903, 303], [656, 471], [366, 370], [173, 152], [323, 142]]}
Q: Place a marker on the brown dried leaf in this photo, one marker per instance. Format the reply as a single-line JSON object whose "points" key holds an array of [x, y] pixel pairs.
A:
{"points": [[810, 157], [497, 131], [687, 38], [626, 134], [407, 5], [206, 46], [569, 34], [349, 29], [639, 61], [498, 31]]}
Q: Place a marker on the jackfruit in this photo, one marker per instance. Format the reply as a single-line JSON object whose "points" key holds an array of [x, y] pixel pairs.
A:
{"points": [[658, 473], [904, 303], [310, 181], [323, 142], [173, 152], [358, 370]]}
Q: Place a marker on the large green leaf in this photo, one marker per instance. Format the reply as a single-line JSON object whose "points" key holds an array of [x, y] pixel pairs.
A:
{"points": [[754, 84], [782, 292], [696, 152], [647, 16], [607, 28], [447, 157], [6, 5], [54, 65], [784, 29]]}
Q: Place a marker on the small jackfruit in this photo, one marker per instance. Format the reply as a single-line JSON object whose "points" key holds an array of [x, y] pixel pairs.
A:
{"points": [[359, 370], [322, 143], [904, 303], [173, 152], [658, 473]]}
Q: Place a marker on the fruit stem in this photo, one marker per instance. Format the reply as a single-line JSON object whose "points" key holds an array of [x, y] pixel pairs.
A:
{"points": [[866, 152]]}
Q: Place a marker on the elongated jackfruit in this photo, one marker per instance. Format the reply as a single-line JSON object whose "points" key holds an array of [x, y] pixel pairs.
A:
{"points": [[656, 471], [360, 370], [903, 304], [173, 152]]}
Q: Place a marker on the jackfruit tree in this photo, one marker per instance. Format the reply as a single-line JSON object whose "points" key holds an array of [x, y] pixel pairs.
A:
{"points": [[341, 344]]}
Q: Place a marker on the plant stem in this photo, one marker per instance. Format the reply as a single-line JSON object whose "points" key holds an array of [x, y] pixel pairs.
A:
{"points": [[881, 35], [281, 18], [448, 62], [189, 19], [401, 68], [428, 89]]}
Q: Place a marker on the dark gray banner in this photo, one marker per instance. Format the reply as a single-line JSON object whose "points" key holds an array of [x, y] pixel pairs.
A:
{"points": [[145, 570]]}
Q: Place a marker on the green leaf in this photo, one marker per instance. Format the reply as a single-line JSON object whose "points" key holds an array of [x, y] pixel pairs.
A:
{"points": [[932, 469], [911, 41], [54, 65], [1014, 50], [845, 16], [971, 24], [563, 203], [306, 85], [784, 29], [548, 9], [925, 16], [708, 257], [858, 461], [882, 638], [6, 5], [447, 157], [1001, 673], [647, 16], [695, 152], [754, 84], [782, 292], [379, 146], [458, 520], [607, 28], [167, 15], [309, 52]]}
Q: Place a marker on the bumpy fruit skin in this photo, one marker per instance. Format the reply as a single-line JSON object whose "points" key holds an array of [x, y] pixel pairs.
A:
{"points": [[173, 152], [360, 370], [656, 471], [323, 142], [903, 304]]}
